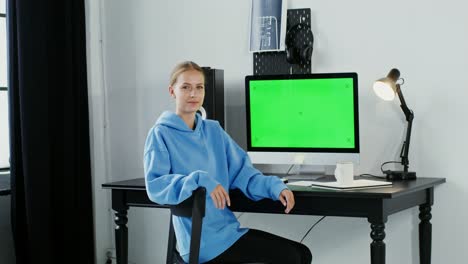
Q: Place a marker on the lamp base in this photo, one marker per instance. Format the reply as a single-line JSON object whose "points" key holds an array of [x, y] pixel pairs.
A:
{"points": [[400, 175]]}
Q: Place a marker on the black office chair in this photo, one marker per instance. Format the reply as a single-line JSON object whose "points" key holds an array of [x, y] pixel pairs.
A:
{"points": [[194, 207]]}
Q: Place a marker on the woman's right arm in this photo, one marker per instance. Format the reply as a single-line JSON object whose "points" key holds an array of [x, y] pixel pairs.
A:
{"points": [[163, 187]]}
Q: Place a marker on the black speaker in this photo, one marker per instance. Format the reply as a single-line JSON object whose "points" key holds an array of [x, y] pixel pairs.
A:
{"points": [[214, 94]]}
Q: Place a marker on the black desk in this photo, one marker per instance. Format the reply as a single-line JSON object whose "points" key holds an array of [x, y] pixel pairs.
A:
{"points": [[374, 204]]}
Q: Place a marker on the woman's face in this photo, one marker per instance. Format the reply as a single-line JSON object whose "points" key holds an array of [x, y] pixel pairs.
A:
{"points": [[188, 91]]}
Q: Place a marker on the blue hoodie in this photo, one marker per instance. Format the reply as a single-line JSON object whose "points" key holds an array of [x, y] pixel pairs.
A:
{"points": [[177, 160]]}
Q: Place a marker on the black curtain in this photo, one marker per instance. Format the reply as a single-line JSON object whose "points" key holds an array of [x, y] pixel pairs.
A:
{"points": [[52, 215]]}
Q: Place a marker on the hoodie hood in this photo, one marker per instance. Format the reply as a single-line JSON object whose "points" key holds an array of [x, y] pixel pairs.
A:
{"points": [[172, 120]]}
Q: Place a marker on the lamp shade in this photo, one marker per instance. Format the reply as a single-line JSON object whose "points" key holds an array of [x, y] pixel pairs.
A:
{"points": [[385, 88]]}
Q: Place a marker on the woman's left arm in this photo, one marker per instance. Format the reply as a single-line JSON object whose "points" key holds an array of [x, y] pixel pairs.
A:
{"points": [[243, 176]]}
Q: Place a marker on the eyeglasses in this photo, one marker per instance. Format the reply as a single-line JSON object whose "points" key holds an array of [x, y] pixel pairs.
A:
{"points": [[187, 89]]}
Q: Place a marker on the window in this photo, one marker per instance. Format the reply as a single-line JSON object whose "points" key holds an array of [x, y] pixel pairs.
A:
{"points": [[4, 135]]}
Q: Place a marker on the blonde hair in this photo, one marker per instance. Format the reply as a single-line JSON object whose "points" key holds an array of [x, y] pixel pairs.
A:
{"points": [[183, 67]]}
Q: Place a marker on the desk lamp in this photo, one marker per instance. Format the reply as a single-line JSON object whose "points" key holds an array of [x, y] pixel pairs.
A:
{"points": [[386, 88]]}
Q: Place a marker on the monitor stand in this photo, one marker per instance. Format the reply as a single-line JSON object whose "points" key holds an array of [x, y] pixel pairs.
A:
{"points": [[297, 172], [305, 177], [310, 173]]}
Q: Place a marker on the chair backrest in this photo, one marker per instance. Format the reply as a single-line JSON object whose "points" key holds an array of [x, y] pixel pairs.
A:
{"points": [[194, 207]]}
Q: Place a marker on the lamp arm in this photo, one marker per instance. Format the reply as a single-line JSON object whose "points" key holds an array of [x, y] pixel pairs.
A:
{"points": [[408, 113], [409, 117]]}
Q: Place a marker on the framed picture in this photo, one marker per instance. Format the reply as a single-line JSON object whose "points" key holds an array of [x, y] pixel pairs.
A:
{"points": [[267, 25]]}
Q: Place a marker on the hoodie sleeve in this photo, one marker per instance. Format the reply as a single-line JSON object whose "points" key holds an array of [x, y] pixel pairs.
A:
{"points": [[163, 187], [245, 177]]}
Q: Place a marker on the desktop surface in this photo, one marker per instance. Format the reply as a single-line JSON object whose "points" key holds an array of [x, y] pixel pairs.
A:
{"points": [[398, 188]]}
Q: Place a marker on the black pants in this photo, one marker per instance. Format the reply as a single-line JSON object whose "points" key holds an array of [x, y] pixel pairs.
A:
{"points": [[261, 247]]}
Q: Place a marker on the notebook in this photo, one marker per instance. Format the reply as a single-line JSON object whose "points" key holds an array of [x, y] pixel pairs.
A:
{"points": [[357, 184]]}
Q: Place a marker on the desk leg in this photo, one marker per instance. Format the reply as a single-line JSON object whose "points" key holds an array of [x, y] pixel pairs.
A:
{"points": [[377, 246], [425, 234], [121, 237]]}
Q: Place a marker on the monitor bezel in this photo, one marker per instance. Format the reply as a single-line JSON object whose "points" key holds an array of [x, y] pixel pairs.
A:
{"points": [[347, 75]]}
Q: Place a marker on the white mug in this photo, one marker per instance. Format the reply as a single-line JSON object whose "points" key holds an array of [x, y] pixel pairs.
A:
{"points": [[344, 173]]}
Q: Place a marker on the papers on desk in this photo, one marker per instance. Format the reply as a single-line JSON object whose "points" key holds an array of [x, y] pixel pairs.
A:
{"points": [[357, 184], [301, 183]]}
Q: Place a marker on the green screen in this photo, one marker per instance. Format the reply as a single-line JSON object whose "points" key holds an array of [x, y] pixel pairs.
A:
{"points": [[302, 113]]}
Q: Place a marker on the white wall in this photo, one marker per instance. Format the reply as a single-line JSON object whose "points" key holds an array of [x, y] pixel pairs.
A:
{"points": [[426, 40], [98, 120]]}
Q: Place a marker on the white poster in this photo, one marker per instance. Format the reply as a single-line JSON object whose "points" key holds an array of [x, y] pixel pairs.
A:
{"points": [[267, 25]]}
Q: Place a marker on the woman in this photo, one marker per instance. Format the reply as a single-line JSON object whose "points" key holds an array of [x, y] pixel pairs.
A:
{"points": [[183, 152]]}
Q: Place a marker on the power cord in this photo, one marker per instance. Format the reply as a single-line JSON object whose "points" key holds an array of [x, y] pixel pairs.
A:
{"points": [[240, 215], [388, 162], [364, 174], [381, 169], [310, 229], [372, 175], [290, 168]]}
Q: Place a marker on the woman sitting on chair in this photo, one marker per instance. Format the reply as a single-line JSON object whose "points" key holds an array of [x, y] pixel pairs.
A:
{"points": [[183, 152]]}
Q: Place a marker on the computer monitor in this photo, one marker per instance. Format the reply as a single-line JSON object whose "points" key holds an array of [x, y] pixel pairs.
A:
{"points": [[309, 119]]}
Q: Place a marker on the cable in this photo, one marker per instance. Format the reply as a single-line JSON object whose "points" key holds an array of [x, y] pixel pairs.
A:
{"points": [[371, 175], [388, 162], [310, 229], [292, 166], [240, 215], [381, 168]]}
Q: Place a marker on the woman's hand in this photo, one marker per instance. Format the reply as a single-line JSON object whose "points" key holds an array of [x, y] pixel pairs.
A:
{"points": [[287, 199], [220, 197]]}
